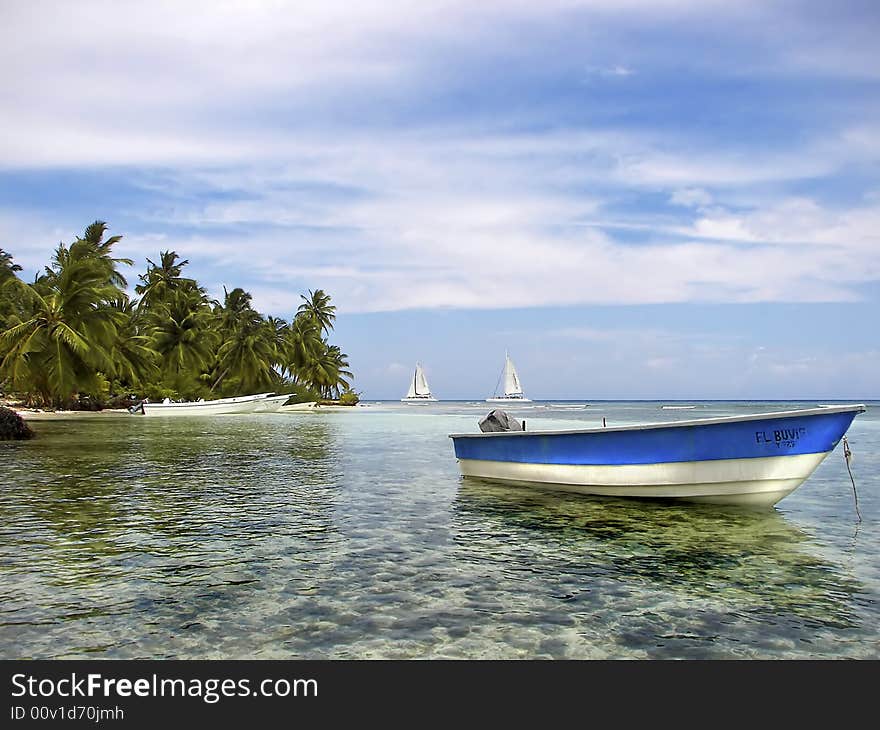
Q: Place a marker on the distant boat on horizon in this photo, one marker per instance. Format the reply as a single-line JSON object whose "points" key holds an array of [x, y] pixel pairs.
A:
{"points": [[419, 392], [513, 392]]}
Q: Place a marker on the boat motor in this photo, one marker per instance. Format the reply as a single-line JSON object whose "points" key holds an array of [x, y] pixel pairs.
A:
{"points": [[499, 420]]}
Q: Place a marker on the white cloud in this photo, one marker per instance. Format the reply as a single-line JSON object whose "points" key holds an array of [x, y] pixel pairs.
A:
{"points": [[506, 268], [799, 222], [691, 198], [230, 100], [471, 223]]}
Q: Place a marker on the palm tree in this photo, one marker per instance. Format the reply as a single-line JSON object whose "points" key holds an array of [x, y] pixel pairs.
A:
{"points": [[74, 329], [317, 305], [303, 344], [63, 346], [236, 306], [7, 268], [328, 372], [10, 301], [183, 335], [248, 356], [92, 244], [342, 376], [276, 332], [161, 278], [134, 360], [248, 351]]}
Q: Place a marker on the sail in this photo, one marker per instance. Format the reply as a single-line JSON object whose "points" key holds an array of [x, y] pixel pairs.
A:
{"points": [[420, 382], [412, 385], [511, 379]]}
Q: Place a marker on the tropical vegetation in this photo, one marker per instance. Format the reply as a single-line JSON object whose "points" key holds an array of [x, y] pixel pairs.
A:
{"points": [[76, 338]]}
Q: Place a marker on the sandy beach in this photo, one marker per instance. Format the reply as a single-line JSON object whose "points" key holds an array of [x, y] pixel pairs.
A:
{"points": [[30, 414], [313, 407]]}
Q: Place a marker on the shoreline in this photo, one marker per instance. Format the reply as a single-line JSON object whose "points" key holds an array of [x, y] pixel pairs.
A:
{"points": [[35, 414], [313, 406]]}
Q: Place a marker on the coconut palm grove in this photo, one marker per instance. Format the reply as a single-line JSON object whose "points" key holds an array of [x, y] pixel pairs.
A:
{"points": [[74, 338]]}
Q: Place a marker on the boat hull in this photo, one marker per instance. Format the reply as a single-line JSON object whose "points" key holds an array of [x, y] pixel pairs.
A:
{"points": [[508, 401], [272, 404], [206, 408], [417, 401], [747, 482], [743, 460], [259, 403]]}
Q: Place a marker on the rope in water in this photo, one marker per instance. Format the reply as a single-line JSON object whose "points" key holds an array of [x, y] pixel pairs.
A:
{"points": [[847, 457]]}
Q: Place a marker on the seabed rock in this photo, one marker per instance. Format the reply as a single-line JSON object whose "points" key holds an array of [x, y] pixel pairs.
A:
{"points": [[12, 426]]}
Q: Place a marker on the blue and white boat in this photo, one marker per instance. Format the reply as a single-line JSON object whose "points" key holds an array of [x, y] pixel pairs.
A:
{"points": [[752, 460]]}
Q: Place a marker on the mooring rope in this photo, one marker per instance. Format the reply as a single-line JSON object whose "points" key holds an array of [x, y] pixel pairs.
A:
{"points": [[847, 457]]}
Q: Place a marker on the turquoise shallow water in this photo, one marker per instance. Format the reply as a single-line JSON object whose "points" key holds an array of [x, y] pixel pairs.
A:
{"points": [[351, 535]]}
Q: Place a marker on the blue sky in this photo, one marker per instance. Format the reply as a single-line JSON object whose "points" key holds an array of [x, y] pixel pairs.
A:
{"points": [[647, 199]]}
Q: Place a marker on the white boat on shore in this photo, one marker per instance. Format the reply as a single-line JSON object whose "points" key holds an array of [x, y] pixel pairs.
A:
{"points": [[271, 404], [257, 403]]}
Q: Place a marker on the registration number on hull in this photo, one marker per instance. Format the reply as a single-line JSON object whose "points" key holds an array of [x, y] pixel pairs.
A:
{"points": [[783, 438]]}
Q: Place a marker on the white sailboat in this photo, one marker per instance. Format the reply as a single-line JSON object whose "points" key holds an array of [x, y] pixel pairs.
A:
{"points": [[513, 392], [418, 392]]}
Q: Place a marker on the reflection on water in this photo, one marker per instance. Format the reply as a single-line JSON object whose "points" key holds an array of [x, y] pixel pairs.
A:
{"points": [[758, 561], [353, 536], [172, 514]]}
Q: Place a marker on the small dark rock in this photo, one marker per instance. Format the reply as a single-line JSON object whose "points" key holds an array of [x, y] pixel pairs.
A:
{"points": [[12, 426]]}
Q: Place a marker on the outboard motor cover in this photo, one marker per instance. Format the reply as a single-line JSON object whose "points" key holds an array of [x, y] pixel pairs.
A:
{"points": [[498, 420]]}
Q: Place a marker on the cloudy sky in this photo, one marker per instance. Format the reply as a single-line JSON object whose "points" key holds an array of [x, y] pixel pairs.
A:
{"points": [[637, 198]]}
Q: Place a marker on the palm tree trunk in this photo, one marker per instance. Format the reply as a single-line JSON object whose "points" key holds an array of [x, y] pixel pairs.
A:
{"points": [[217, 382]]}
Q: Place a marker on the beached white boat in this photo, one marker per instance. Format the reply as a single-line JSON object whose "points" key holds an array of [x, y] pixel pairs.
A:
{"points": [[750, 460], [512, 392], [299, 407], [418, 392], [258, 402], [270, 404]]}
